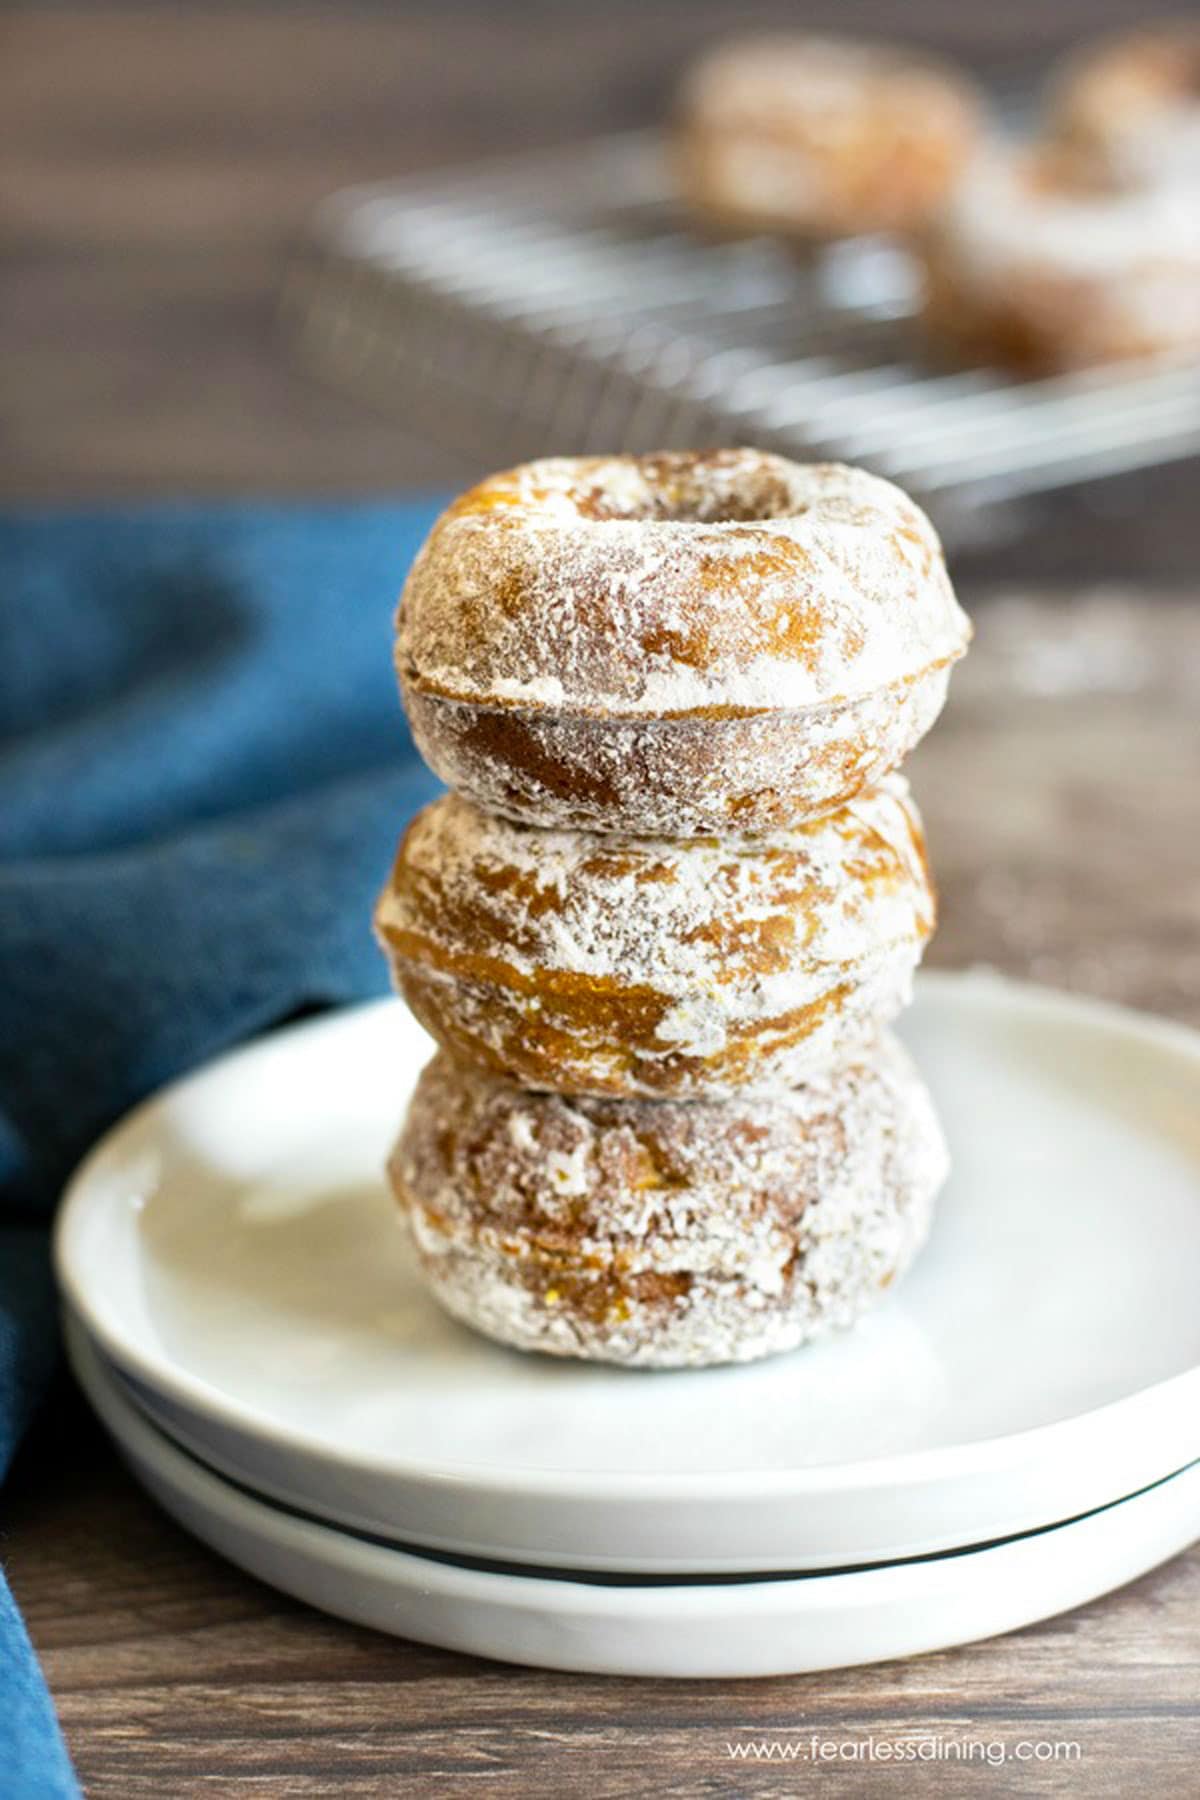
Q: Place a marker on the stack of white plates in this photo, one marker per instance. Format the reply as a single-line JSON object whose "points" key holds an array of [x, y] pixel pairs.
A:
{"points": [[1015, 1431]]}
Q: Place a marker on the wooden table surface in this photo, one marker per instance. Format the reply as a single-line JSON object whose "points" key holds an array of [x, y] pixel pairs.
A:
{"points": [[154, 167]]}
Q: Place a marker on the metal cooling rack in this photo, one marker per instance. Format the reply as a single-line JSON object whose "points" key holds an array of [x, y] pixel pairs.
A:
{"points": [[559, 302]]}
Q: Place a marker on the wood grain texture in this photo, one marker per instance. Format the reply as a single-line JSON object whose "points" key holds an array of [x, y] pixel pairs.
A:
{"points": [[176, 1675]]}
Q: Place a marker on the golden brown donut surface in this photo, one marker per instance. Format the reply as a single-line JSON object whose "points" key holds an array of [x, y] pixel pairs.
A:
{"points": [[590, 964], [820, 137], [569, 625], [668, 1234]]}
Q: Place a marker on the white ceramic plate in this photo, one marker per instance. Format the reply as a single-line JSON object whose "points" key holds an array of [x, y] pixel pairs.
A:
{"points": [[647, 1627], [233, 1251]]}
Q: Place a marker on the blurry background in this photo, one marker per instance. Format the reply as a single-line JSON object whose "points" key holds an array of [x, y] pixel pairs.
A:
{"points": [[159, 165]]}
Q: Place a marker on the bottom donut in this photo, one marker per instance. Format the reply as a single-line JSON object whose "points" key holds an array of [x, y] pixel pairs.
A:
{"points": [[668, 1234]]}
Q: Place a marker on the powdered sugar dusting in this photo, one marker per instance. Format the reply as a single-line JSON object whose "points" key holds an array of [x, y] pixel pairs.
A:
{"points": [[656, 965], [681, 583], [695, 1234], [680, 777], [671, 689]]}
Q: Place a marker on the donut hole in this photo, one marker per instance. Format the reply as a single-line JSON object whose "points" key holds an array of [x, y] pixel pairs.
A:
{"points": [[719, 487]]}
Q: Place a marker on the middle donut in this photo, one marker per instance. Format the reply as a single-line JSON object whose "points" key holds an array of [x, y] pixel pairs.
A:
{"points": [[642, 966]]}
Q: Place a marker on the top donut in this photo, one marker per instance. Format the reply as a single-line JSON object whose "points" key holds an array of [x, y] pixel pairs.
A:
{"points": [[679, 643]]}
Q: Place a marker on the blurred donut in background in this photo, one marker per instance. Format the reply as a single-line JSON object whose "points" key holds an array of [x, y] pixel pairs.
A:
{"points": [[815, 137], [1030, 269], [1127, 111]]}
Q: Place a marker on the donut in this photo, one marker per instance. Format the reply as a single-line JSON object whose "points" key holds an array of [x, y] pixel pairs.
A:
{"points": [[666, 1234], [602, 965], [814, 137], [1036, 272], [1127, 112], [675, 645]]}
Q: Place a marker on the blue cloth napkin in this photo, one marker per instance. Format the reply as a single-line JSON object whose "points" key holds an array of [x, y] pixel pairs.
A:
{"points": [[203, 776]]}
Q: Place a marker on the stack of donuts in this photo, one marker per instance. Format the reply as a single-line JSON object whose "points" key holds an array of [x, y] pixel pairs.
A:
{"points": [[661, 923]]}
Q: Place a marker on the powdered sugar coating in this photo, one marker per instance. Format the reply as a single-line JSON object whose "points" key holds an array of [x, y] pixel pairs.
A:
{"points": [[674, 777], [668, 1235], [732, 582], [797, 134], [604, 965]]}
